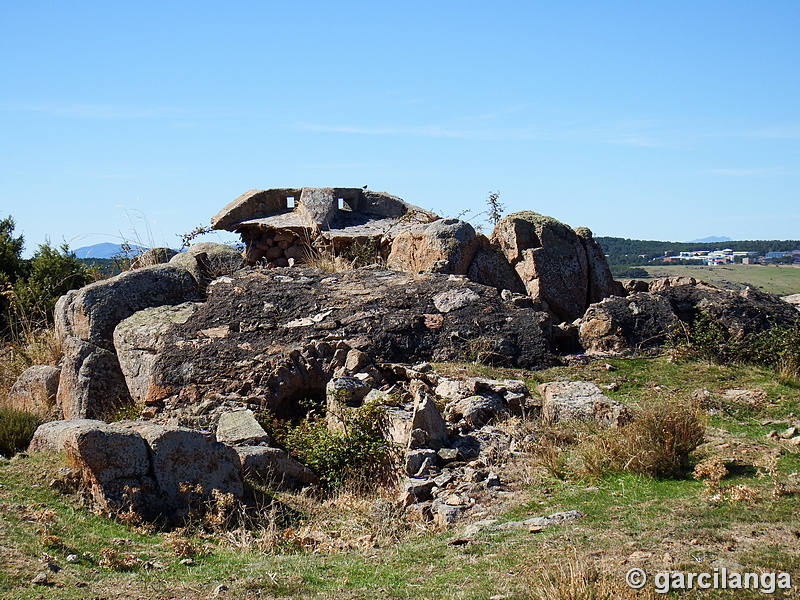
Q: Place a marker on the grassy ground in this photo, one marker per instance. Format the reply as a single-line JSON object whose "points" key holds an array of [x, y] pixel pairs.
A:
{"points": [[782, 280], [630, 520]]}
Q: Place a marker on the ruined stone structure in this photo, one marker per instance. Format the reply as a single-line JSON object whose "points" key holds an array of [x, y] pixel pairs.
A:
{"points": [[283, 225]]}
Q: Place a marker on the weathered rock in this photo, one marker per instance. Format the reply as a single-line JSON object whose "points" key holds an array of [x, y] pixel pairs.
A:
{"points": [[455, 299], [747, 312], [188, 465], [427, 420], [276, 336], [549, 258], [51, 436], [92, 313], [207, 260], [35, 391], [153, 256], [91, 384], [625, 324], [490, 267], [138, 339], [476, 411], [274, 464], [566, 401], [151, 470], [240, 428], [443, 246], [113, 463]]}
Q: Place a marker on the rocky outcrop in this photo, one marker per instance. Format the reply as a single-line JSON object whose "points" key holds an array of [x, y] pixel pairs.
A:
{"points": [[627, 324], [442, 246], [645, 319], [275, 336], [35, 391], [92, 384], [567, 401], [559, 267]]}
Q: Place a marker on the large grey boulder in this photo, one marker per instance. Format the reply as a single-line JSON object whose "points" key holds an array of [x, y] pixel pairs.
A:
{"points": [[35, 391], [138, 339], [443, 246], [188, 465], [570, 401], [91, 384], [92, 312], [52, 435], [152, 470], [559, 266], [208, 260], [627, 324], [113, 463]]}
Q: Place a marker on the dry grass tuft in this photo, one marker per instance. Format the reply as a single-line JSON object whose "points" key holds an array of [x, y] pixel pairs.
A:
{"points": [[575, 579], [656, 443]]}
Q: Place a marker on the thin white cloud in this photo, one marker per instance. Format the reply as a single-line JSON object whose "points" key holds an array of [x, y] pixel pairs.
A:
{"points": [[629, 133], [106, 111], [790, 131], [755, 172]]}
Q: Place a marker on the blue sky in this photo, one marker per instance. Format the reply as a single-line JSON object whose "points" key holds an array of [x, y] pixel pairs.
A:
{"points": [[645, 119]]}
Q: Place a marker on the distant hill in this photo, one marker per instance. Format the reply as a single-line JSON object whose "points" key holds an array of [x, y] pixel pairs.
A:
{"points": [[710, 240], [105, 250]]}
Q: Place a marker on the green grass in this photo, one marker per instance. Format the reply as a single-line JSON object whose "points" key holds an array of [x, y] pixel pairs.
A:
{"points": [[782, 280], [627, 516]]}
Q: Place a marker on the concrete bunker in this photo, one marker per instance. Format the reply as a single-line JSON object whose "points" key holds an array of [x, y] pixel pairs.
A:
{"points": [[281, 227]]}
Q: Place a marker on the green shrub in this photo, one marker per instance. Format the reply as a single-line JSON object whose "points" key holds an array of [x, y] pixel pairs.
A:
{"points": [[359, 455], [777, 347], [16, 430]]}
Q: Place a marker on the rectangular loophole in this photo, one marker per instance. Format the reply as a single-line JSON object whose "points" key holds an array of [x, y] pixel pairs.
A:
{"points": [[343, 205], [289, 201]]}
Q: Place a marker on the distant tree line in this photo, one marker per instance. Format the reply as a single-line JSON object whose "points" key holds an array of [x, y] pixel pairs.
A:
{"points": [[622, 252]]}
